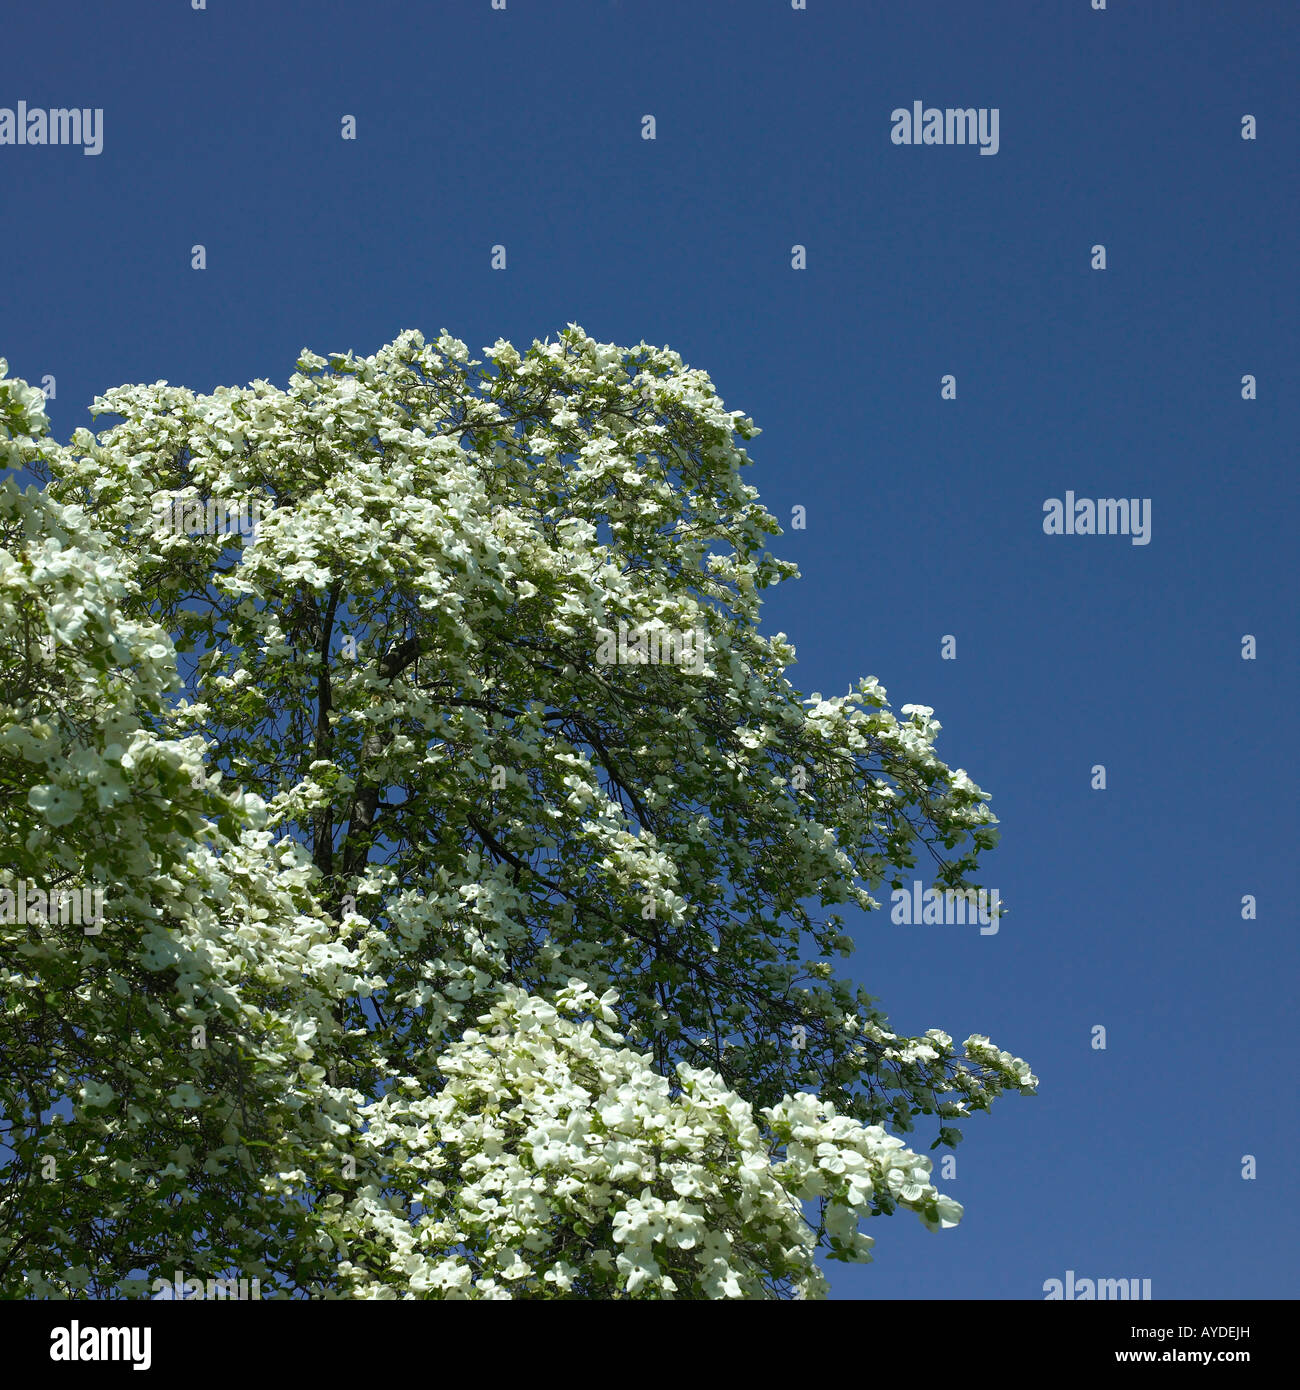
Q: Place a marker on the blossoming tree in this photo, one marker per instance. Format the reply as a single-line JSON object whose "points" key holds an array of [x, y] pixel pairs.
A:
{"points": [[442, 955]]}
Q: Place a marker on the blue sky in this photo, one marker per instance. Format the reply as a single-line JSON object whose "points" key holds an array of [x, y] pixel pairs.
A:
{"points": [[523, 128]]}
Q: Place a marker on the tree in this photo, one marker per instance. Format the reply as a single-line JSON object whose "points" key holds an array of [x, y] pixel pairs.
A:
{"points": [[464, 807]]}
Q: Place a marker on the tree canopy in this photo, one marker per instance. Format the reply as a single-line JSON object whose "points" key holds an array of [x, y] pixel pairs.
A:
{"points": [[450, 947]]}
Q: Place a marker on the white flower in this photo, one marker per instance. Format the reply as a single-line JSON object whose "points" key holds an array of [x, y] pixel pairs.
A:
{"points": [[96, 1094]]}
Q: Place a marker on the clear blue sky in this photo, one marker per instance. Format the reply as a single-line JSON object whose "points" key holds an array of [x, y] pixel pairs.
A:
{"points": [[523, 127]]}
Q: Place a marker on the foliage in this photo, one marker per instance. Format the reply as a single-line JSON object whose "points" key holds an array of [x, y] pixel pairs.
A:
{"points": [[507, 962]]}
